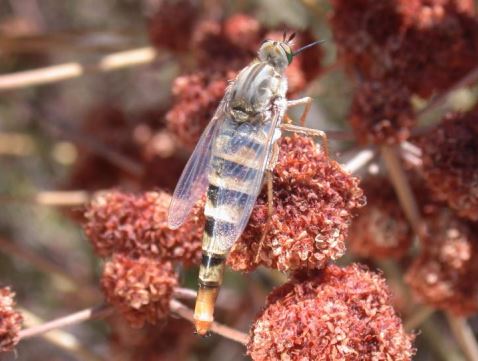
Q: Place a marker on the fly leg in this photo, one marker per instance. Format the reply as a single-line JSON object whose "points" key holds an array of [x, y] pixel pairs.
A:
{"points": [[309, 131], [270, 201], [307, 102]]}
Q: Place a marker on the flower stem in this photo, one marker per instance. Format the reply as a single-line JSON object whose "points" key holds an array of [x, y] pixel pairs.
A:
{"points": [[225, 331], [464, 336]]}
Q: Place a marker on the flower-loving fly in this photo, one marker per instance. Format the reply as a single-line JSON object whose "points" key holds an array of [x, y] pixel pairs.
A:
{"points": [[236, 151]]}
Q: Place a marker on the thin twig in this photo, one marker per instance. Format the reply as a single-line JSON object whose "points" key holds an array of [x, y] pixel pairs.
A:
{"points": [[185, 293], [360, 160], [420, 315], [97, 312], [464, 336], [56, 73], [16, 144], [52, 198], [225, 331], [59, 338], [402, 187]]}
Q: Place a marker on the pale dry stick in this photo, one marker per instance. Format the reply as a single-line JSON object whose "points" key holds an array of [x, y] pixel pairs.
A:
{"points": [[52, 198], [225, 331], [65, 340], [49, 268], [402, 187], [185, 293], [416, 318], [56, 73], [360, 160], [92, 313], [16, 144], [464, 336]]}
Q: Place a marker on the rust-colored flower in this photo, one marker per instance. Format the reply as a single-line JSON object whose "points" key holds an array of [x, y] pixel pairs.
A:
{"points": [[10, 320], [379, 40], [380, 229], [313, 203], [139, 288], [137, 225], [171, 25], [382, 112], [444, 274], [196, 98], [450, 162], [336, 314]]}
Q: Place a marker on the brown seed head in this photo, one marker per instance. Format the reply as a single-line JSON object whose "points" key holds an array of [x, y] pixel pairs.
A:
{"points": [[450, 162], [10, 320], [380, 229], [139, 288], [137, 225], [337, 314]]}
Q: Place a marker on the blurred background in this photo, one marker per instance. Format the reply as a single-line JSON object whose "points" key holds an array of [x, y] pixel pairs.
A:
{"points": [[111, 113]]}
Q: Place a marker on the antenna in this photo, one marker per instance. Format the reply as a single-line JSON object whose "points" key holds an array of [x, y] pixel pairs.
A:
{"points": [[298, 51]]}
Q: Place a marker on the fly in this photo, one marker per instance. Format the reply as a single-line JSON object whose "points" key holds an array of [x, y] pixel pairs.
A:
{"points": [[236, 151]]}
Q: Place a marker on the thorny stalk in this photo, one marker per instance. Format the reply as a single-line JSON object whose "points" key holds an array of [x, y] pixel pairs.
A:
{"points": [[56, 73], [62, 339]]}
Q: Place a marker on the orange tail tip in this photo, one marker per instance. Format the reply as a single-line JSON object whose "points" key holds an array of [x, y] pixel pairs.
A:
{"points": [[204, 310]]}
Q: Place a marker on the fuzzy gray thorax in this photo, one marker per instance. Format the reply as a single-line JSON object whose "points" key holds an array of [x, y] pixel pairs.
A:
{"points": [[253, 91]]}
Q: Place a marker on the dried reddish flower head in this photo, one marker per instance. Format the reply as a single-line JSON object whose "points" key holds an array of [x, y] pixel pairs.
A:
{"points": [[381, 112], [313, 203], [379, 39], [196, 98], [10, 320], [172, 24], [137, 225], [337, 314], [450, 162], [444, 274], [139, 288], [380, 229]]}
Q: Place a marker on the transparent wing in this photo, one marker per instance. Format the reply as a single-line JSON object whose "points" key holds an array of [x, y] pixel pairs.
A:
{"points": [[193, 181], [238, 169]]}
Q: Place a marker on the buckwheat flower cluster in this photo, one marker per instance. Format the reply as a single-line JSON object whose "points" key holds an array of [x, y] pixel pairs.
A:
{"points": [[382, 112], [137, 225], [196, 98], [140, 288], [313, 203], [378, 42], [171, 25], [444, 274], [10, 320], [450, 162], [380, 229], [335, 314]]}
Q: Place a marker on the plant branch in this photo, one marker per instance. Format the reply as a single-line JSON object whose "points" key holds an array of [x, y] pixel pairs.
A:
{"points": [[360, 160], [52, 198], [56, 73], [415, 319], [65, 340], [225, 331], [464, 336], [402, 188]]}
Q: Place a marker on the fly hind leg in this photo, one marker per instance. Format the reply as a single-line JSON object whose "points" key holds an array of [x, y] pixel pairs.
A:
{"points": [[270, 200], [307, 102], [311, 132]]}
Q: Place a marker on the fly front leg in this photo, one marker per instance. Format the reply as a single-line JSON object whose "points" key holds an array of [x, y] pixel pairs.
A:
{"points": [[307, 102], [309, 131]]}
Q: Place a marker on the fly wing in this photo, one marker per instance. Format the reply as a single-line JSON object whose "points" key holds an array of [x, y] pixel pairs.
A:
{"points": [[193, 181], [240, 157]]}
